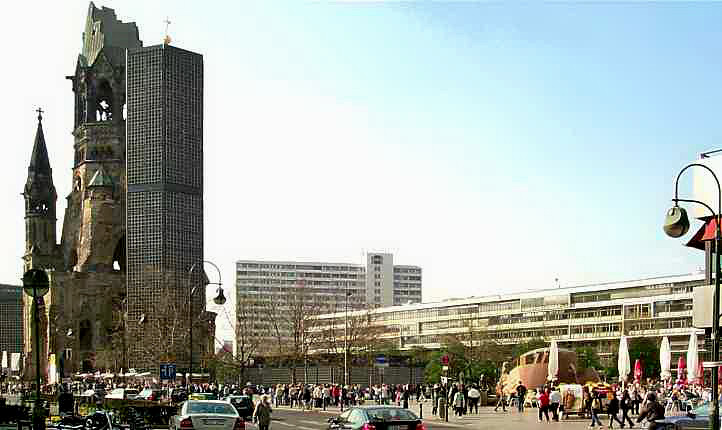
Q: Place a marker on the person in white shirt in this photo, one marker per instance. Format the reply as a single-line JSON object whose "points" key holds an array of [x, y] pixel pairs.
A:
{"points": [[474, 396], [555, 399]]}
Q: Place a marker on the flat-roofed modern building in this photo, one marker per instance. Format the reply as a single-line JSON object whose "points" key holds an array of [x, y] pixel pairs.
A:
{"points": [[586, 315], [11, 319], [323, 286]]}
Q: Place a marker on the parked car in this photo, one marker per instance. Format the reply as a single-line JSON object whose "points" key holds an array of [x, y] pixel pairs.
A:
{"points": [[243, 404], [697, 418], [178, 395], [123, 394], [207, 415], [376, 417], [150, 394]]}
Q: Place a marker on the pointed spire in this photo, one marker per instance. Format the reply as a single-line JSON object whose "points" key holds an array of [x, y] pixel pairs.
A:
{"points": [[39, 161], [39, 190]]}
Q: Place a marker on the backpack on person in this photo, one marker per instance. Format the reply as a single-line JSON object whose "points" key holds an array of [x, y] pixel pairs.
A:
{"points": [[595, 404]]}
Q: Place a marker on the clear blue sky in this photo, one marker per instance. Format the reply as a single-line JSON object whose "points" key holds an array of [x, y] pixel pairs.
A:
{"points": [[498, 146]]}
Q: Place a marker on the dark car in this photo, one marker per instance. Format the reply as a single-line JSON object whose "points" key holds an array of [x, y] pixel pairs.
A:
{"points": [[697, 418], [243, 404], [377, 418], [178, 395]]}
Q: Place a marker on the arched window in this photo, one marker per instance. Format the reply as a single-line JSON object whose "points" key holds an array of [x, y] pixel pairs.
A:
{"points": [[119, 255], [86, 336], [104, 102]]}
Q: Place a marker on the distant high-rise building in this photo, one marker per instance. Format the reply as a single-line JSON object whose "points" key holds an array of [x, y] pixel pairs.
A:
{"points": [[391, 285], [11, 319], [313, 287], [165, 197]]}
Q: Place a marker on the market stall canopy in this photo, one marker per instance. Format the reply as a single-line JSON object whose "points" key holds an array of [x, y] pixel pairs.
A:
{"points": [[692, 358], [665, 359], [553, 367], [623, 364]]}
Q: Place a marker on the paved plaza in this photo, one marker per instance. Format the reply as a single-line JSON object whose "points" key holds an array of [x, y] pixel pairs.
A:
{"points": [[284, 418]]}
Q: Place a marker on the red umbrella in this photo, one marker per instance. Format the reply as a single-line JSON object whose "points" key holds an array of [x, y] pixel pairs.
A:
{"points": [[700, 374], [681, 369], [638, 370]]}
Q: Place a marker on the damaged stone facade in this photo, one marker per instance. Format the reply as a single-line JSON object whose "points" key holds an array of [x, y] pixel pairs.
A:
{"points": [[84, 315]]}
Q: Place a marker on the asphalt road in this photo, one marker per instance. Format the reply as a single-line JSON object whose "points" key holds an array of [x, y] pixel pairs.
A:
{"points": [[284, 419]]}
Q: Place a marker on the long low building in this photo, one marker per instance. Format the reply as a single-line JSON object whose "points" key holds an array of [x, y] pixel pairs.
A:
{"points": [[586, 315]]}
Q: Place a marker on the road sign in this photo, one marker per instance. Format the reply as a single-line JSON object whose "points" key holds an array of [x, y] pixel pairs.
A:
{"points": [[167, 372], [36, 283], [381, 361]]}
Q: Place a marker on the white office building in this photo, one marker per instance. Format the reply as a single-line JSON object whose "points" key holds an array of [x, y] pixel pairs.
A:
{"points": [[377, 282]]}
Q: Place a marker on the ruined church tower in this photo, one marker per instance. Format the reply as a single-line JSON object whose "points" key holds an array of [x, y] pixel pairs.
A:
{"points": [[83, 321]]}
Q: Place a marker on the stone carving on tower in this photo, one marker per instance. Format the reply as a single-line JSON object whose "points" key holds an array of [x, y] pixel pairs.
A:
{"points": [[84, 310]]}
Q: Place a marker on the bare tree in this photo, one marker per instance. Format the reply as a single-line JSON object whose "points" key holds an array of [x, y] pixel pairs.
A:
{"points": [[298, 319], [355, 330], [249, 330], [165, 329]]}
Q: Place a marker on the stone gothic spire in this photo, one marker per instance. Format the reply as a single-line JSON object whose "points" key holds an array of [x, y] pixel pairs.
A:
{"points": [[39, 190], [40, 200], [39, 161]]}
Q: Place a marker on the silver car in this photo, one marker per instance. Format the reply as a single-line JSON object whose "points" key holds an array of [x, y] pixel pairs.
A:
{"points": [[207, 415]]}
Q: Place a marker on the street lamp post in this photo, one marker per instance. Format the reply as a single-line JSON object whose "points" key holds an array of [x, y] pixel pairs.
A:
{"points": [[676, 225], [36, 285], [219, 300], [345, 341]]}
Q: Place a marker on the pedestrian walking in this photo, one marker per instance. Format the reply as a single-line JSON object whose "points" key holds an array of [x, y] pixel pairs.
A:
{"points": [[555, 399], [613, 411], [596, 408], [458, 402], [474, 396], [651, 412], [262, 414], [500, 400], [544, 404], [521, 396], [626, 405]]}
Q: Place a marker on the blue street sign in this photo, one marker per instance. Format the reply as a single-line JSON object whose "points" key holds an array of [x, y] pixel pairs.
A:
{"points": [[381, 361], [167, 372]]}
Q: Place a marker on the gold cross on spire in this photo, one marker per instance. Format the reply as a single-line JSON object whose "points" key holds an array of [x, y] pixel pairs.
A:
{"points": [[40, 113], [166, 39]]}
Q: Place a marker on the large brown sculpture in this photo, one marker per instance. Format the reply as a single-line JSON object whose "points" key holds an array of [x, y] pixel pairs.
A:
{"points": [[532, 370]]}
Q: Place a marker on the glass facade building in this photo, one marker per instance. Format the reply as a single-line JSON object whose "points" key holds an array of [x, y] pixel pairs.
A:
{"points": [[11, 319], [165, 180], [587, 315]]}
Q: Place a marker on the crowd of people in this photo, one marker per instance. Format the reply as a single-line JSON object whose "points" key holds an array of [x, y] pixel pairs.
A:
{"points": [[617, 404], [646, 403]]}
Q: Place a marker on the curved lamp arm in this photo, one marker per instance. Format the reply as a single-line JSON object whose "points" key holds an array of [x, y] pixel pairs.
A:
{"points": [[695, 201], [719, 191], [190, 272]]}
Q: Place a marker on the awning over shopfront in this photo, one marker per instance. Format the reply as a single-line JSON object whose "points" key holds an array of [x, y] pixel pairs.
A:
{"points": [[705, 233]]}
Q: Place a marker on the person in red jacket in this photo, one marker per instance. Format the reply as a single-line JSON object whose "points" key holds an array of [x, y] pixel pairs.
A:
{"points": [[336, 394], [544, 404]]}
